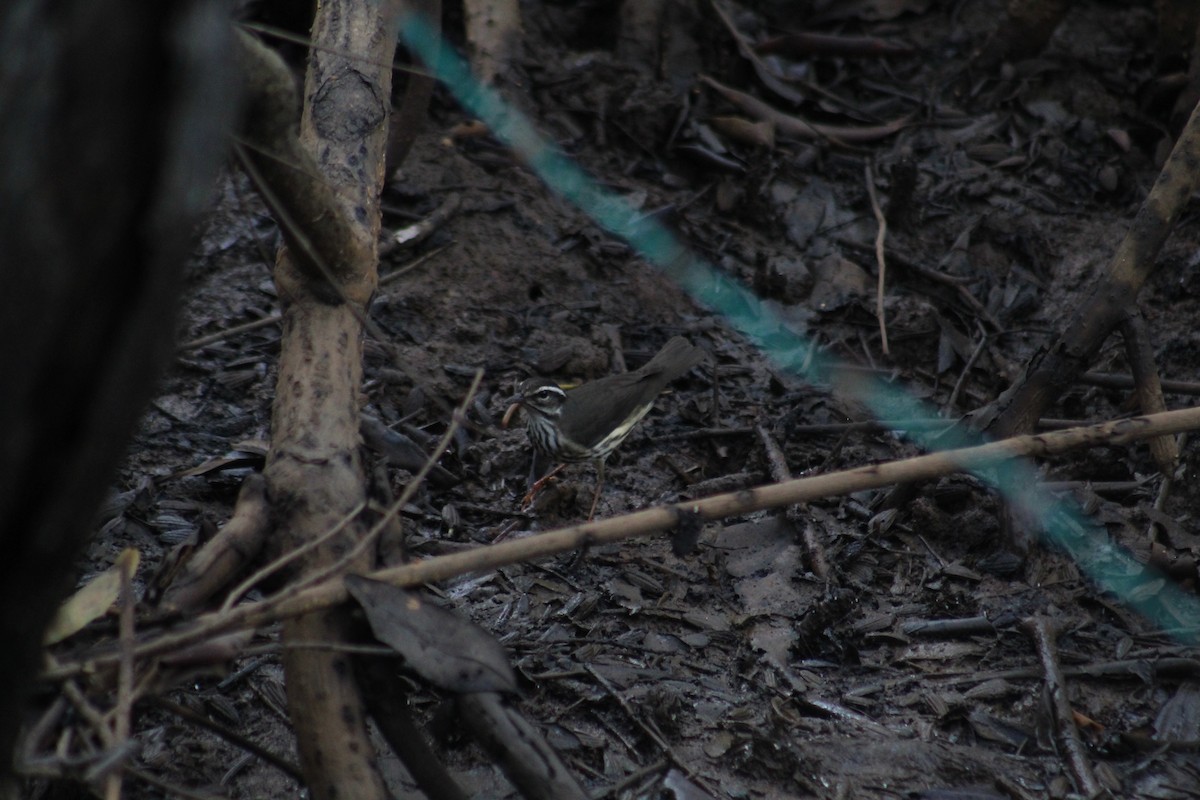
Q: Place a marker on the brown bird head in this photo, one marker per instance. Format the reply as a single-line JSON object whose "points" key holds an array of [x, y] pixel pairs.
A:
{"points": [[538, 396]]}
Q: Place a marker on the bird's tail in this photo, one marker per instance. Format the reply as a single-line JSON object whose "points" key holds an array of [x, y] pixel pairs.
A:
{"points": [[676, 357]]}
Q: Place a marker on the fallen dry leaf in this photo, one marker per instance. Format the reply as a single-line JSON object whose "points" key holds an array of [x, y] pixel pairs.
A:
{"points": [[93, 600]]}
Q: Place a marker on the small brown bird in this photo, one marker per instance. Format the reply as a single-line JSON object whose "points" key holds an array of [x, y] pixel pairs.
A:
{"points": [[589, 422]]}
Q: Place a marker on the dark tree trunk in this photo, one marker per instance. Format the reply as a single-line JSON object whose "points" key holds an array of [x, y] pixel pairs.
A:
{"points": [[113, 120]]}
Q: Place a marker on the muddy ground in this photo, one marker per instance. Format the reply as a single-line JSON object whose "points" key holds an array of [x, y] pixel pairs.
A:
{"points": [[733, 671]]}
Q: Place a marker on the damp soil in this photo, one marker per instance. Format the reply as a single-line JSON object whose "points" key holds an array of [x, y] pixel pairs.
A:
{"points": [[733, 670]]}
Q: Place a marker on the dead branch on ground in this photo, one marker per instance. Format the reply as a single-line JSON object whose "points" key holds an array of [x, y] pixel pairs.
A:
{"points": [[1052, 370], [223, 557], [519, 748], [1148, 387], [1041, 630], [642, 523]]}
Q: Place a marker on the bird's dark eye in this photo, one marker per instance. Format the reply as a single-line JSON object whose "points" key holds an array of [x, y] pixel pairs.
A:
{"points": [[546, 394]]}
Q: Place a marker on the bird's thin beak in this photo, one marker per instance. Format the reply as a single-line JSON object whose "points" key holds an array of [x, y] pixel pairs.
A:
{"points": [[512, 409]]}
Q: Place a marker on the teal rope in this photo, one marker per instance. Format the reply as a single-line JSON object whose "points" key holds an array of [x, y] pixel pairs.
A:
{"points": [[1109, 566]]}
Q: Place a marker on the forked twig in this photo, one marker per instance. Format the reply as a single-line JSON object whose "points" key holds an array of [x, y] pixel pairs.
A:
{"points": [[290, 556]]}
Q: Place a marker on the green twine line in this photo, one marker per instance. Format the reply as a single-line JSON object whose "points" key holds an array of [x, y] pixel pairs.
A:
{"points": [[1108, 565]]}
